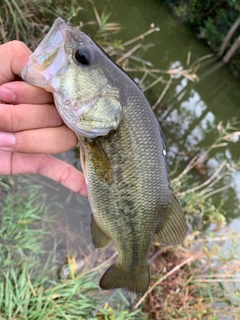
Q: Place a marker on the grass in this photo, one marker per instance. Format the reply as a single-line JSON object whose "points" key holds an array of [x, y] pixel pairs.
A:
{"points": [[197, 280], [29, 285]]}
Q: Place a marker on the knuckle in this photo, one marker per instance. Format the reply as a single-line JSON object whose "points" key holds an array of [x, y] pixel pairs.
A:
{"points": [[35, 143], [27, 142], [12, 121], [66, 174]]}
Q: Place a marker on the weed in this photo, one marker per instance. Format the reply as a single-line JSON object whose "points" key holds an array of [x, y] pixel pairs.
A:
{"points": [[31, 290]]}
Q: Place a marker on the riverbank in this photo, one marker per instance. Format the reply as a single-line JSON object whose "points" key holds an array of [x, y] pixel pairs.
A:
{"points": [[211, 21]]}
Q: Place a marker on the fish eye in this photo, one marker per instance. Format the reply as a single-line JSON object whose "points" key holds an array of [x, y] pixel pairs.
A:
{"points": [[82, 56]]}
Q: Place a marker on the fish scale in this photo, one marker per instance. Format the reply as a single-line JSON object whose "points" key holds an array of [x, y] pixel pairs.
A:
{"points": [[122, 151], [146, 198]]}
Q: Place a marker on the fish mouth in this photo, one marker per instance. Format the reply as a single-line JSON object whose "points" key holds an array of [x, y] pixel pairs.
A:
{"points": [[49, 58]]}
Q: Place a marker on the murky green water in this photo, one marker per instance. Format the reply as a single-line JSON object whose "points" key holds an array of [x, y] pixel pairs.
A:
{"points": [[189, 113]]}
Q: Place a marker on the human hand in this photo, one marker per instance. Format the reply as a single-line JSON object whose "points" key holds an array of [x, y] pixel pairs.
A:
{"points": [[30, 126]]}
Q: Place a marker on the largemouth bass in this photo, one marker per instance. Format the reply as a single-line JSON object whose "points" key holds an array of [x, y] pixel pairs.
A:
{"points": [[122, 151]]}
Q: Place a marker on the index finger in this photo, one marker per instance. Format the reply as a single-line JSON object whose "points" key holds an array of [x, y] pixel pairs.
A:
{"points": [[13, 56], [17, 92]]}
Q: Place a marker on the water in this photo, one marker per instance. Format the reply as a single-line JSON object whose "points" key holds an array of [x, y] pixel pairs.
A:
{"points": [[189, 112]]}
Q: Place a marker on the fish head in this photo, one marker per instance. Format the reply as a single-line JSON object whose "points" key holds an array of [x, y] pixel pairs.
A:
{"points": [[75, 69]]}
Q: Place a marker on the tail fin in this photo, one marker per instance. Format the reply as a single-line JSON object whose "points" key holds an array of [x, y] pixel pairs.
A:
{"points": [[116, 277]]}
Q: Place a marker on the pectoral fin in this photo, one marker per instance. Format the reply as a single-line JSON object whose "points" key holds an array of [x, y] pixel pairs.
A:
{"points": [[172, 229], [102, 164], [99, 238]]}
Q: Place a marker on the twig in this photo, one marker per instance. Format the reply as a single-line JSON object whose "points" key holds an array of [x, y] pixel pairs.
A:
{"points": [[207, 181], [141, 36], [194, 160], [152, 84], [207, 56], [127, 54], [143, 78], [190, 259], [189, 57], [163, 93], [216, 191], [228, 37], [92, 314], [146, 62], [69, 197], [156, 254], [219, 178], [176, 71]]}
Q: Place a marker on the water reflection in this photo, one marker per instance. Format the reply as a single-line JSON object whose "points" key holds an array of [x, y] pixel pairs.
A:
{"points": [[198, 111]]}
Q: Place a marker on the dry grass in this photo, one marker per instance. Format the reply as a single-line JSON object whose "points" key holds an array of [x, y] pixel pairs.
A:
{"points": [[194, 282]]}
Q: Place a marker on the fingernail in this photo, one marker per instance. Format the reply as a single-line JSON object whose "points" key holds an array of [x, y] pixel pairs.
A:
{"points": [[7, 139], [7, 95]]}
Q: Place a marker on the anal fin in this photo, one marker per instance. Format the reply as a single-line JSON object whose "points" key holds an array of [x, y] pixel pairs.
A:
{"points": [[172, 229], [99, 238]]}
